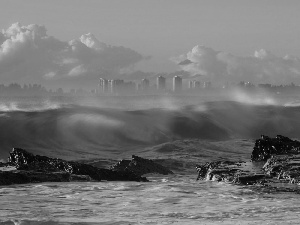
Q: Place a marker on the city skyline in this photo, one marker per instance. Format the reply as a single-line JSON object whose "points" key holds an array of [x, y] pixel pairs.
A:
{"points": [[115, 41]]}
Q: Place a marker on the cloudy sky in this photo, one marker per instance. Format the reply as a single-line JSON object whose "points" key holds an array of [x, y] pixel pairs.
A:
{"points": [[73, 41]]}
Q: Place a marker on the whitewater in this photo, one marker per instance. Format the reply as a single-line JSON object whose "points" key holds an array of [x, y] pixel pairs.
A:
{"points": [[178, 132]]}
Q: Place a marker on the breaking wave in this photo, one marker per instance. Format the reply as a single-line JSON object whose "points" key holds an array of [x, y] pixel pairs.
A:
{"points": [[73, 129]]}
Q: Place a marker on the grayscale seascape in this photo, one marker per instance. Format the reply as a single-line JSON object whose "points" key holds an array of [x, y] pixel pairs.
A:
{"points": [[95, 82]]}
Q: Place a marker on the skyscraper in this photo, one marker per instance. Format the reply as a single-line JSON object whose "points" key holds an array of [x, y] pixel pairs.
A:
{"points": [[103, 85], [116, 85], [161, 83], [207, 84], [177, 84], [191, 84], [194, 84], [145, 84]]}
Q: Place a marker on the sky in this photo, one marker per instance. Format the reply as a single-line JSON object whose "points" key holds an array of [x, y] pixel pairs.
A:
{"points": [[217, 39]]}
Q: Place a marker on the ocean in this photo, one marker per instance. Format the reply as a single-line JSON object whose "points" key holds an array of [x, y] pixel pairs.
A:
{"points": [[178, 132]]}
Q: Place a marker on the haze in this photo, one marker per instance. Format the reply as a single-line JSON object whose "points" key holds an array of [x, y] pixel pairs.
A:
{"points": [[72, 43]]}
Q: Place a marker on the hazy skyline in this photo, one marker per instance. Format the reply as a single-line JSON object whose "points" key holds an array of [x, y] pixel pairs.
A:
{"points": [[157, 35]]}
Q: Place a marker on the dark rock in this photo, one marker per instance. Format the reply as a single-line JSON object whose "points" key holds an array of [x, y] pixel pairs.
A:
{"points": [[140, 166], [228, 171], [75, 177], [22, 177], [280, 172], [265, 147], [250, 179], [36, 168]]}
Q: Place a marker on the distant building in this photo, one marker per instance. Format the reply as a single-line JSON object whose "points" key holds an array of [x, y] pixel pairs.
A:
{"points": [[120, 87], [194, 84], [207, 84], [191, 84], [246, 84], [103, 86], [161, 83], [177, 84], [249, 85], [145, 84], [264, 85], [115, 85]]}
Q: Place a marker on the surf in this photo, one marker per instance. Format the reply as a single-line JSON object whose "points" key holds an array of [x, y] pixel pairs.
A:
{"points": [[74, 130]]}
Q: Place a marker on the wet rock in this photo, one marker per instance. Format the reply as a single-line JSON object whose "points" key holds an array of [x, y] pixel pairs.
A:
{"points": [[36, 168], [285, 168], [232, 172], [266, 146], [23, 177], [140, 166], [275, 165], [250, 179]]}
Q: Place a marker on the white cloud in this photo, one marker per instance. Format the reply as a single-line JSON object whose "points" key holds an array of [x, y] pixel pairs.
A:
{"points": [[77, 71], [28, 54], [50, 75], [90, 41], [220, 67]]}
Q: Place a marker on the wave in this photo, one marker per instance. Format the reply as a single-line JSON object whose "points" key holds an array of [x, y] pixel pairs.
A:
{"points": [[38, 106], [69, 130]]}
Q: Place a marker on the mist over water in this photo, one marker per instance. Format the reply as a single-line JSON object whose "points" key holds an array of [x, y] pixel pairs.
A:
{"points": [[75, 128]]}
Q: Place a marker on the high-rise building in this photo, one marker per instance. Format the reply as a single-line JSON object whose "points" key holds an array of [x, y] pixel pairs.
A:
{"points": [[177, 84], [207, 84], [115, 85], [161, 83], [103, 85], [145, 84], [191, 84], [121, 87], [194, 84]]}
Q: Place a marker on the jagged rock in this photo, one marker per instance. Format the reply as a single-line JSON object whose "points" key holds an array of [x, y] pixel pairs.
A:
{"points": [[36, 168], [285, 168], [265, 147], [228, 171], [140, 166], [281, 171], [250, 179]]}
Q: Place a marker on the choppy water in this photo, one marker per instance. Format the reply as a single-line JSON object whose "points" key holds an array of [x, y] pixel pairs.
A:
{"points": [[177, 132], [175, 200]]}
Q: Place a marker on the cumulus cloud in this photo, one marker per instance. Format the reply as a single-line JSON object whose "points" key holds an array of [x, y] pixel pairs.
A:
{"points": [[77, 71], [185, 62], [28, 54], [220, 67]]}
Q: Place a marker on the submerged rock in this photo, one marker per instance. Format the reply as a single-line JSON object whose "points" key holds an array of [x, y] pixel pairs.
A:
{"points": [[140, 166], [275, 164], [36, 168]]}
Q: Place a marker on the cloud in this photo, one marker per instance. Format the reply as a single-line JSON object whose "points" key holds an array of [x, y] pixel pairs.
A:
{"points": [[77, 71], [50, 75], [29, 55], [185, 62], [220, 67]]}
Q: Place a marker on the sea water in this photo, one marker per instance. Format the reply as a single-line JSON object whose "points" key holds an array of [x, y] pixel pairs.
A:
{"points": [[177, 132]]}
